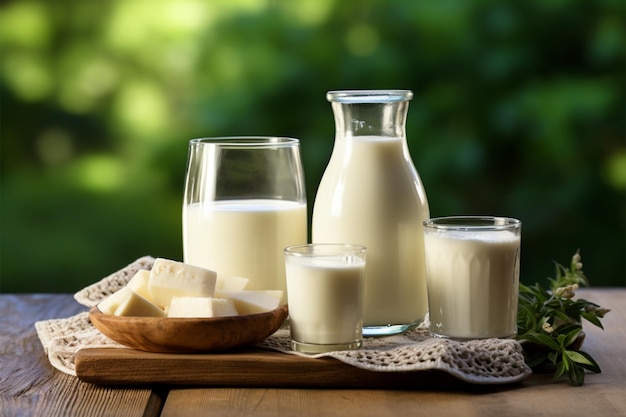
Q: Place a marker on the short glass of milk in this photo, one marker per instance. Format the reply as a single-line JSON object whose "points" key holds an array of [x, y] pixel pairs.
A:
{"points": [[472, 273], [325, 296]]}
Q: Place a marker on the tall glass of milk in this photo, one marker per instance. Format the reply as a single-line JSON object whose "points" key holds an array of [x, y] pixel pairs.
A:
{"points": [[244, 203], [371, 194], [472, 266], [325, 296]]}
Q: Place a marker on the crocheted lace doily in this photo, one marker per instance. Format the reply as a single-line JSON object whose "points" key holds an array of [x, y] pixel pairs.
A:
{"points": [[487, 361]]}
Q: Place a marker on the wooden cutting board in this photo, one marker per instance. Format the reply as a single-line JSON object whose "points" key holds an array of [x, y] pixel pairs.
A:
{"points": [[243, 368]]}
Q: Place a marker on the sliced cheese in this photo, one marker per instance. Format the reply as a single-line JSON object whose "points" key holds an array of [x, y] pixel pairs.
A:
{"points": [[201, 307], [253, 302], [175, 279], [231, 283], [113, 301], [136, 305], [139, 284]]}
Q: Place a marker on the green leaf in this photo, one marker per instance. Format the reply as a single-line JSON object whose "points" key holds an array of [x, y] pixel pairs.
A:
{"points": [[576, 375], [560, 315], [554, 303], [578, 358], [542, 339], [560, 370], [572, 335], [592, 319], [591, 364], [536, 359], [586, 302], [523, 289], [569, 328]]}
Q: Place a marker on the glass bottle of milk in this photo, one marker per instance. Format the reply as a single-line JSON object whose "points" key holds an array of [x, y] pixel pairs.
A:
{"points": [[371, 194]]}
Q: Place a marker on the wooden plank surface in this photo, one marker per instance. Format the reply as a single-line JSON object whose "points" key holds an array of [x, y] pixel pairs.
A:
{"points": [[30, 386]]}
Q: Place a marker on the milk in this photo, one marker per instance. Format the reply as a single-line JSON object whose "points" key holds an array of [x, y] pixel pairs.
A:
{"points": [[244, 238], [325, 300], [370, 194], [473, 282]]}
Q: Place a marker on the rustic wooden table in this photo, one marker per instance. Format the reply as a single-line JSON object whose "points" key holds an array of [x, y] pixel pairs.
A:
{"points": [[30, 386]]}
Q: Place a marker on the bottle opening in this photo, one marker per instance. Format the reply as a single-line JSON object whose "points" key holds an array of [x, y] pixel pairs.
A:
{"points": [[369, 96]]}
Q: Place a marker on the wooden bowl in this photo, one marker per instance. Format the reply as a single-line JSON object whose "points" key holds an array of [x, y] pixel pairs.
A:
{"points": [[188, 335]]}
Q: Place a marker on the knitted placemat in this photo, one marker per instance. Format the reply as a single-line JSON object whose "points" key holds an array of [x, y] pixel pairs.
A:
{"points": [[486, 361]]}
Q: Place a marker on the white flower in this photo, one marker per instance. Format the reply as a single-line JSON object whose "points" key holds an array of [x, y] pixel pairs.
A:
{"points": [[566, 292], [547, 328], [597, 311]]}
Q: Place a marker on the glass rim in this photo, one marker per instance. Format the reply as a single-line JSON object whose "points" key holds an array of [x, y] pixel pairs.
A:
{"points": [[247, 141], [308, 249], [368, 96], [472, 223]]}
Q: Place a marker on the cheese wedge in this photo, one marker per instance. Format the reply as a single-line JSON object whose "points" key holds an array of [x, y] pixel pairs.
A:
{"points": [[113, 301], [201, 307], [136, 305], [175, 279], [253, 302], [139, 284], [231, 283]]}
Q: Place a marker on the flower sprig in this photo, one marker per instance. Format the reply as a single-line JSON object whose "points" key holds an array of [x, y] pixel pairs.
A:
{"points": [[551, 321]]}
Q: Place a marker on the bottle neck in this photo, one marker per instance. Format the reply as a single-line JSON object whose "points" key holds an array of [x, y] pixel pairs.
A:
{"points": [[370, 119]]}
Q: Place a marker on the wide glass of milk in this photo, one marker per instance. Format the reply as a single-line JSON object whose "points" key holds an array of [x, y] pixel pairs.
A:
{"points": [[472, 270], [244, 203], [325, 296]]}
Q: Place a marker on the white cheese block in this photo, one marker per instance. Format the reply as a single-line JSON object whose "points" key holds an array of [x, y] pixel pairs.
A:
{"points": [[136, 305], [113, 301], [139, 284], [253, 302], [231, 283], [175, 279], [201, 307]]}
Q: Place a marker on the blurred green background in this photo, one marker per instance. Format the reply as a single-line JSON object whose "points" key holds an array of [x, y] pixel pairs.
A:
{"points": [[519, 110]]}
